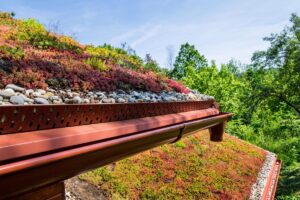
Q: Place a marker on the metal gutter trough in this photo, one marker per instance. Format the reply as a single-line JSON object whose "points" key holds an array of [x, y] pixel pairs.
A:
{"points": [[43, 145], [270, 188]]}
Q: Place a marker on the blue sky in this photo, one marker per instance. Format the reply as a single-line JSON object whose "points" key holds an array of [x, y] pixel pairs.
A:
{"points": [[220, 30]]}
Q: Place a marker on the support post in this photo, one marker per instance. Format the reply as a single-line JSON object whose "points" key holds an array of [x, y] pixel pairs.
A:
{"points": [[217, 131]]}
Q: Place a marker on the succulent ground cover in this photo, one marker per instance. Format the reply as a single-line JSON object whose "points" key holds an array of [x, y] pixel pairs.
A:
{"points": [[193, 168], [32, 57]]}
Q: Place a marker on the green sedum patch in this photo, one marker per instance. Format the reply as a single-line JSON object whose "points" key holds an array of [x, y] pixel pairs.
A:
{"points": [[193, 168], [16, 53]]}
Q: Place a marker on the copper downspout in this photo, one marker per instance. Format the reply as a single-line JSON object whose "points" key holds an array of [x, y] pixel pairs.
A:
{"points": [[64, 157]]}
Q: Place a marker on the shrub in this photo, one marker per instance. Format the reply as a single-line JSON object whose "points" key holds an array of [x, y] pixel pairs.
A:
{"points": [[6, 15], [6, 19], [178, 87], [116, 56], [60, 62], [96, 63], [147, 81], [12, 52], [35, 33]]}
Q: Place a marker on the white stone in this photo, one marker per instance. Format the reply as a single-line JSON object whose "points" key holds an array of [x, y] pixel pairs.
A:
{"points": [[108, 100], [29, 92], [41, 91], [40, 101], [7, 92], [77, 99], [36, 94], [15, 87], [86, 101], [121, 100]]}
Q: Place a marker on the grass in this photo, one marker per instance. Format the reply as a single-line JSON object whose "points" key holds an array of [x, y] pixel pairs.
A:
{"points": [[193, 168]]}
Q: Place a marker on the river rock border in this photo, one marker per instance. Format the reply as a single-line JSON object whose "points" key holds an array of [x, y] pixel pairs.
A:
{"points": [[13, 94]]}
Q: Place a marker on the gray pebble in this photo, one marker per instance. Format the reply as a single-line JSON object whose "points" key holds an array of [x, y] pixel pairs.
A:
{"points": [[39, 100], [131, 100], [15, 87], [108, 100], [140, 100], [17, 99], [77, 99], [57, 102], [121, 100], [40, 96], [86, 101], [35, 94], [51, 90], [41, 91], [54, 98], [29, 92]]}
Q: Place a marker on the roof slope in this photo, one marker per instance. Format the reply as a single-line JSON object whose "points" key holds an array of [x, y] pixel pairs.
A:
{"points": [[31, 56], [193, 168]]}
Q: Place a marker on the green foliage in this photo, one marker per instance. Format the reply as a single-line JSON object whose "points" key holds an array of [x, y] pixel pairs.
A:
{"points": [[7, 19], [35, 33], [280, 63], [96, 63], [180, 144], [6, 15], [289, 182], [149, 194], [16, 53], [151, 64], [188, 57], [116, 56], [222, 84], [264, 98]]}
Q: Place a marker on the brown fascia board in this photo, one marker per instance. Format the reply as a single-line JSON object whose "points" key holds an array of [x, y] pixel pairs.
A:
{"points": [[35, 159]]}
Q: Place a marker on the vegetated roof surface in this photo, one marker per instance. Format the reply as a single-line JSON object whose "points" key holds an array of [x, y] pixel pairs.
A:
{"points": [[193, 168], [31, 56]]}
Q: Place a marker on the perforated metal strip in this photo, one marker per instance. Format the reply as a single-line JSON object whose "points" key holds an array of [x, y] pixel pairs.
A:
{"points": [[14, 119]]}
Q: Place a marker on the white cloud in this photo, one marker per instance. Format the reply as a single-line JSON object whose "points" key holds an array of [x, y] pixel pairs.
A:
{"points": [[146, 35], [131, 34]]}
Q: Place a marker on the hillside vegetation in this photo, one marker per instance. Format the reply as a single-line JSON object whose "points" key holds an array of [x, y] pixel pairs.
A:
{"points": [[31, 56]]}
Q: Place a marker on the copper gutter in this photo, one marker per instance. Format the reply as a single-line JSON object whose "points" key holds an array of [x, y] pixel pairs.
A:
{"points": [[270, 188], [32, 160], [19, 145]]}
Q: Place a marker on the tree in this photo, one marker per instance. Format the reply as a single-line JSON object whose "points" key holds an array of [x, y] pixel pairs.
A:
{"points": [[188, 57], [278, 68], [264, 97]]}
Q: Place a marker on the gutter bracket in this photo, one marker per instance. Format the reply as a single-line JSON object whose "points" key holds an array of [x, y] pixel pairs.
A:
{"points": [[180, 134]]}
